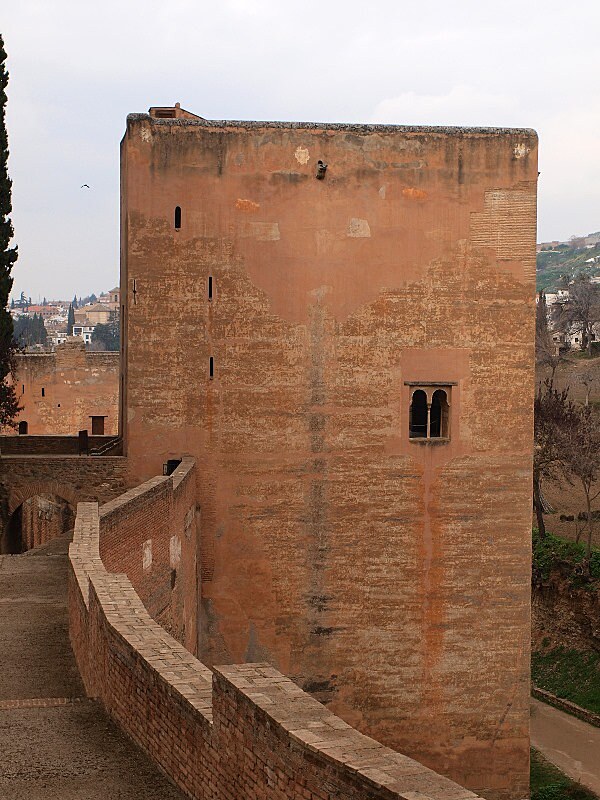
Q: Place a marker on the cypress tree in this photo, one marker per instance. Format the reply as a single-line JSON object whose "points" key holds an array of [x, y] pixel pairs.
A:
{"points": [[9, 404], [70, 320]]}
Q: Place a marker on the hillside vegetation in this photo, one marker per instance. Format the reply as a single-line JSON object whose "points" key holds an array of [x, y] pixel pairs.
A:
{"points": [[566, 259]]}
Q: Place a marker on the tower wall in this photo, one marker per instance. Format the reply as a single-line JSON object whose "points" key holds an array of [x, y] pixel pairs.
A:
{"points": [[387, 575]]}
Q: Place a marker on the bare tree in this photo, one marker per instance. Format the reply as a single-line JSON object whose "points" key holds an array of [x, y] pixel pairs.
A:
{"points": [[580, 312], [589, 380], [547, 353], [581, 447], [555, 418]]}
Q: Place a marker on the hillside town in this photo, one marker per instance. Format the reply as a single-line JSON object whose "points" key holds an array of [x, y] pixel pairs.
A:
{"points": [[41, 327]]}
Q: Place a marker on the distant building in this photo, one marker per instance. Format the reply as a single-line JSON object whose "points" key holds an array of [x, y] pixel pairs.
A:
{"points": [[112, 298], [56, 337], [94, 314], [45, 312], [559, 296], [84, 332]]}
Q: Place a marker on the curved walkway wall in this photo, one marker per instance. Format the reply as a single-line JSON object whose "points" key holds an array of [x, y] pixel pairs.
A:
{"points": [[233, 732]]}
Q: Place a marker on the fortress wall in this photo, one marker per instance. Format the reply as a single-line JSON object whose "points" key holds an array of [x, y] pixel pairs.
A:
{"points": [[149, 533], [77, 384], [241, 731]]}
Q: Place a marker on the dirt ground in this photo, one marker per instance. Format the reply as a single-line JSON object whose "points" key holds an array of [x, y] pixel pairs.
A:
{"points": [[71, 751], [565, 499]]}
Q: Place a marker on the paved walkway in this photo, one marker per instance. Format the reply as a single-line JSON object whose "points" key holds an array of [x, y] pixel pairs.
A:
{"points": [[55, 743], [573, 745]]}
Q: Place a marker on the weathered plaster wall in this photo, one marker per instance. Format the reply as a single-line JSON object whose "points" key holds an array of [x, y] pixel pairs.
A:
{"points": [[76, 384], [388, 577]]}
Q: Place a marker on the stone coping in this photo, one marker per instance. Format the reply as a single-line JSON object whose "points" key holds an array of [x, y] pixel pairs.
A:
{"points": [[350, 127]]}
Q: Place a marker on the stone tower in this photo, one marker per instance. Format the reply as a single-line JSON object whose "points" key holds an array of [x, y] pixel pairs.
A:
{"points": [[337, 321]]}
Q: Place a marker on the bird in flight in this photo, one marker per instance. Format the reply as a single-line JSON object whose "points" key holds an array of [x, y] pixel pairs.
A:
{"points": [[84, 186]]}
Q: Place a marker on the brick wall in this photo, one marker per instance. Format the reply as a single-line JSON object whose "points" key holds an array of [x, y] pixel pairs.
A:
{"points": [[73, 478], [149, 533], [43, 518], [241, 731], [51, 445]]}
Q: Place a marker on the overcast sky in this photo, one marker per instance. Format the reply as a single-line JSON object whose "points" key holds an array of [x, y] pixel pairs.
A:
{"points": [[77, 69]]}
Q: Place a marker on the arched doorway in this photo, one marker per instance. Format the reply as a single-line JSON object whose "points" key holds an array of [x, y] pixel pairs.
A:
{"points": [[39, 519]]}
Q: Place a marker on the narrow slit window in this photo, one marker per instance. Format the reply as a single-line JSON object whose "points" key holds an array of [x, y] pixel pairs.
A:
{"points": [[23, 389], [43, 392], [211, 367], [210, 287], [177, 218]]}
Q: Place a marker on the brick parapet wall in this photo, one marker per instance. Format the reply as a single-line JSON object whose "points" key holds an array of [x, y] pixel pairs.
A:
{"points": [[149, 534], [240, 731], [50, 445]]}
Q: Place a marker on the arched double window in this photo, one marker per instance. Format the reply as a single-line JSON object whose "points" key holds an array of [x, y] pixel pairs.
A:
{"points": [[429, 414]]}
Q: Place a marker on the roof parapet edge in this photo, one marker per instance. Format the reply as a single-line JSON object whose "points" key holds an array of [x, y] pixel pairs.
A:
{"points": [[352, 127]]}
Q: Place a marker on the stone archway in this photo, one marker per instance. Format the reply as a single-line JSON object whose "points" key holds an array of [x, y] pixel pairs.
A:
{"points": [[18, 495], [13, 537], [75, 479], [44, 515]]}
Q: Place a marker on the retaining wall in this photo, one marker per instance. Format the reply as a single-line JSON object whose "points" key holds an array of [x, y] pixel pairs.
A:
{"points": [[566, 705], [236, 732]]}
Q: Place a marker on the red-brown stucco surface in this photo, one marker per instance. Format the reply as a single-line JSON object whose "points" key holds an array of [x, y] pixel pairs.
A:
{"points": [[389, 578]]}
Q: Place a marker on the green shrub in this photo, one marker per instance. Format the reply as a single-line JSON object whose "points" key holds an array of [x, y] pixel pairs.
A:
{"points": [[550, 550]]}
